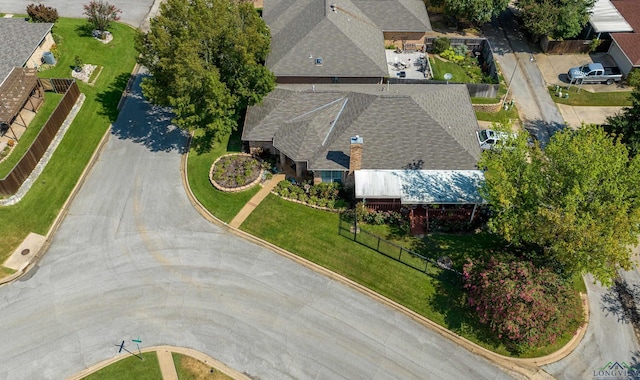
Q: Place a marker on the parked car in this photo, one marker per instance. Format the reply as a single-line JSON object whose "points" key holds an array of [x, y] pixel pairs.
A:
{"points": [[488, 138], [595, 73]]}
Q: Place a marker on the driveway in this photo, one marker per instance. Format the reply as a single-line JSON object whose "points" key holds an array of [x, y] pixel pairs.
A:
{"points": [[133, 12], [134, 259]]}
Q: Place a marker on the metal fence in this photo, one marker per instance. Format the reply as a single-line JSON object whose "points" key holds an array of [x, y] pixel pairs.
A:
{"points": [[394, 251], [12, 181]]}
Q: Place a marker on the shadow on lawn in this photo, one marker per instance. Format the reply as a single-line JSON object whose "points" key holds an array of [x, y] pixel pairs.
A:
{"points": [[450, 300], [85, 30]]}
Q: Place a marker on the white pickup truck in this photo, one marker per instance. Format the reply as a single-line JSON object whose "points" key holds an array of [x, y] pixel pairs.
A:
{"points": [[594, 73]]}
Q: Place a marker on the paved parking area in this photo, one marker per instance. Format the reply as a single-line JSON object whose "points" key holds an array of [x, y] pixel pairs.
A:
{"points": [[554, 69]]}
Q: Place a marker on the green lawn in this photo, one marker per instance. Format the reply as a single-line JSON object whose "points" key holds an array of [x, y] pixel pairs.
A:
{"points": [[37, 210], [440, 67], [500, 116], [437, 295], [189, 368], [50, 103], [223, 205], [131, 368], [586, 98]]}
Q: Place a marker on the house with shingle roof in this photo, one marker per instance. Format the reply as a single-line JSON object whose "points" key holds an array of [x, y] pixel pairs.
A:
{"points": [[325, 41], [621, 20], [426, 127], [22, 45]]}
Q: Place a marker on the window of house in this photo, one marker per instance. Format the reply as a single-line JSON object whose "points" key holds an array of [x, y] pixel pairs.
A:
{"points": [[331, 176]]}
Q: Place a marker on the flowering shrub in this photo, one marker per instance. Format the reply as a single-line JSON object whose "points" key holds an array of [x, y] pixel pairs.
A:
{"points": [[527, 306]]}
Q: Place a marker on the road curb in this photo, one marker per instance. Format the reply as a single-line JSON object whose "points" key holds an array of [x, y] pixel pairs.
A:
{"points": [[529, 368]]}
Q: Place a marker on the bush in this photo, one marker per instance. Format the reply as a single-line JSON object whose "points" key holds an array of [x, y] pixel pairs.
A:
{"points": [[42, 13], [440, 44], [451, 55], [322, 194], [528, 307], [461, 50]]}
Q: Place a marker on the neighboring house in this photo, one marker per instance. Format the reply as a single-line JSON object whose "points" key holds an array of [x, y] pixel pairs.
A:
{"points": [[22, 45], [324, 41], [329, 131], [620, 19]]}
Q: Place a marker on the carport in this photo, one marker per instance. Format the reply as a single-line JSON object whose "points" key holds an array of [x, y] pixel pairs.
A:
{"points": [[20, 90]]}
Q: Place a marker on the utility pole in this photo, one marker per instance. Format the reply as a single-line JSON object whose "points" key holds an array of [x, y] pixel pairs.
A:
{"points": [[511, 81]]}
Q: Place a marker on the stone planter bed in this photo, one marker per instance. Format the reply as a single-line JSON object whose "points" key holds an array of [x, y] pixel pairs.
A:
{"points": [[235, 172]]}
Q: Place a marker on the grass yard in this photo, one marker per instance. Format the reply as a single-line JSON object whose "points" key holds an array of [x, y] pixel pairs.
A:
{"points": [[223, 205], [51, 100], [500, 116], [37, 210], [586, 98], [131, 368], [189, 368], [440, 67], [437, 295]]}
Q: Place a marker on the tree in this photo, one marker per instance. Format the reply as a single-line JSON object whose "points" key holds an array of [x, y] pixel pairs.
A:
{"points": [[558, 19], [633, 78], [578, 199], [42, 13], [528, 307], [100, 14], [206, 58], [476, 11], [626, 124]]}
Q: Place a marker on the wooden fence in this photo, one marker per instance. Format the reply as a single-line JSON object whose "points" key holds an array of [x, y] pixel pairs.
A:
{"points": [[572, 46], [11, 182]]}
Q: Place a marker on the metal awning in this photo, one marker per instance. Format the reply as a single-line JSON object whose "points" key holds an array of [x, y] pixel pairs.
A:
{"points": [[605, 18], [15, 91], [421, 186]]}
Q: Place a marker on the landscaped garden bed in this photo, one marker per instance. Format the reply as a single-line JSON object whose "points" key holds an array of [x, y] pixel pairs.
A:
{"points": [[235, 172], [322, 195]]}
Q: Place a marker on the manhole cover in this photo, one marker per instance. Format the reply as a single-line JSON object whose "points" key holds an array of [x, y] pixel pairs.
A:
{"points": [[25, 252]]}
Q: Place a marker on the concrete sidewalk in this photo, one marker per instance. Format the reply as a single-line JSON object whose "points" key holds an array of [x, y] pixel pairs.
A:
{"points": [[167, 366], [255, 201]]}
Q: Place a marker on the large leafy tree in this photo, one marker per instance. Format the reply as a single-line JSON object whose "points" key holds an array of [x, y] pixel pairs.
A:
{"points": [[206, 58], [559, 19], [578, 199], [626, 123], [477, 11]]}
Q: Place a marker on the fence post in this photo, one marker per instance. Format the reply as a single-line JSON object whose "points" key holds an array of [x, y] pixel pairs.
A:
{"points": [[378, 249], [426, 266], [400, 255]]}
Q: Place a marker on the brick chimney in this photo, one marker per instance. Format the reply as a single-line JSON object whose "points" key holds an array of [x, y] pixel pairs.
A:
{"points": [[355, 154]]}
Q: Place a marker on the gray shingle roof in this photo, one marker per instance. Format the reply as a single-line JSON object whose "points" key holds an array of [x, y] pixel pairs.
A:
{"points": [[396, 15], [419, 126], [349, 40], [18, 40]]}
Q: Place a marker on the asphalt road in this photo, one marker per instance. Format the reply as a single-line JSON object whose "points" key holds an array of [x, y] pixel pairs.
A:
{"points": [[539, 112], [134, 12], [609, 337], [134, 259]]}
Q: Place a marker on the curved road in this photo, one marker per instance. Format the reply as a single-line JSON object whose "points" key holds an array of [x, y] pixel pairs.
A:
{"points": [[134, 259]]}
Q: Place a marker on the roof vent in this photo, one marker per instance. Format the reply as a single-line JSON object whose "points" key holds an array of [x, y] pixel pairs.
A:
{"points": [[319, 61], [334, 8]]}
